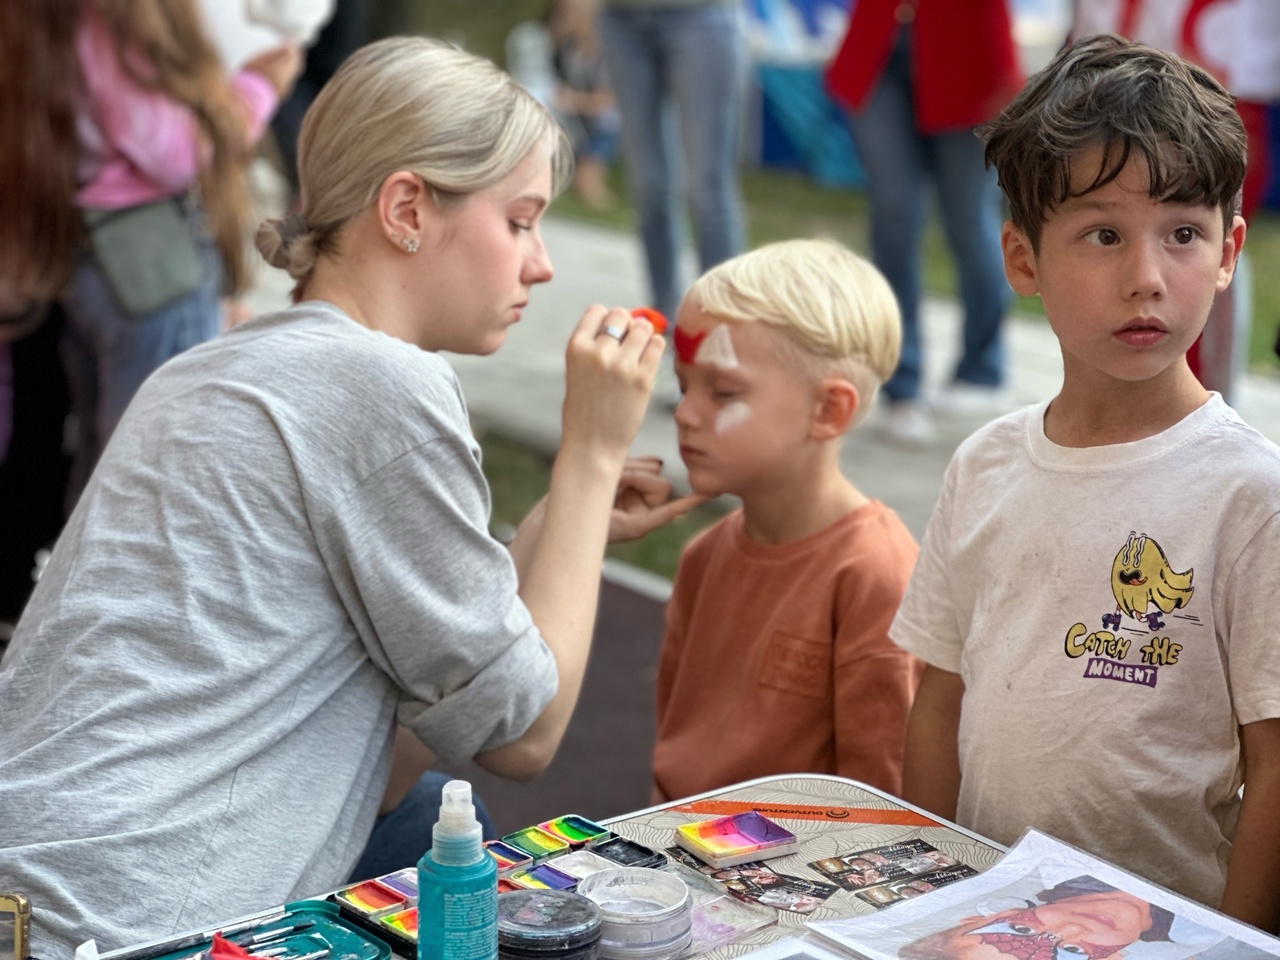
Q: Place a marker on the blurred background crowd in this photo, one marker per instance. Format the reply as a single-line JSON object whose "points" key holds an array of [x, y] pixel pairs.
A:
{"points": [[145, 138]]}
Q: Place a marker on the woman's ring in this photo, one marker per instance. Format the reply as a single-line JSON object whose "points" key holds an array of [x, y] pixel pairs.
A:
{"points": [[609, 330]]}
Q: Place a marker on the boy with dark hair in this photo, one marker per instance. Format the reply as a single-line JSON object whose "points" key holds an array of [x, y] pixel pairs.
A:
{"points": [[1095, 594]]}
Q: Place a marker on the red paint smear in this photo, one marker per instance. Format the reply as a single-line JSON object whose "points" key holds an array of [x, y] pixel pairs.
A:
{"points": [[687, 344]]}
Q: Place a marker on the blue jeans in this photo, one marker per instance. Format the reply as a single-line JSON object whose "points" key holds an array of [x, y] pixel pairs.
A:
{"points": [[691, 60], [403, 835], [899, 160], [107, 353]]}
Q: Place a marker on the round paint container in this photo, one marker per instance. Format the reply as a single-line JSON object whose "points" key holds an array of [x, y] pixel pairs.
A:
{"points": [[645, 914], [547, 925]]}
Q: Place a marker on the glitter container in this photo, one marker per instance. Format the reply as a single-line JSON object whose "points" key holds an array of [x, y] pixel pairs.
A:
{"points": [[645, 914], [547, 925]]}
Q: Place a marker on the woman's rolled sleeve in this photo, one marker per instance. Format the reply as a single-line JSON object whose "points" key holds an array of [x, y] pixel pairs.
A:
{"points": [[495, 708], [434, 600]]}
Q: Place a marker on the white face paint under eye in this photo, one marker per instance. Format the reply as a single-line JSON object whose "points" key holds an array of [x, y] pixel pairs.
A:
{"points": [[717, 349], [733, 415]]}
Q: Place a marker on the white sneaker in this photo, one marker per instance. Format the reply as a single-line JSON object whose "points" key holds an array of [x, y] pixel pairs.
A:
{"points": [[908, 424], [962, 399]]}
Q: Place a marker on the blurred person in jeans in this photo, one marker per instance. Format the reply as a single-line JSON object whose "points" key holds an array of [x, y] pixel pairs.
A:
{"points": [[918, 76], [689, 55], [583, 101]]}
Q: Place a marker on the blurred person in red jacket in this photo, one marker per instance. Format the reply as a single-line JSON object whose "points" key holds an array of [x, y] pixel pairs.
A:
{"points": [[917, 77]]}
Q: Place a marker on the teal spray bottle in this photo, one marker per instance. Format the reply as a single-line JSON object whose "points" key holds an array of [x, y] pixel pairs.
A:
{"points": [[457, 885]]}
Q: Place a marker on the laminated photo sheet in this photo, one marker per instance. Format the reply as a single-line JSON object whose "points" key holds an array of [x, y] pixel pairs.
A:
{"points": [[808, 947], [716, 917], [1047, 900]]}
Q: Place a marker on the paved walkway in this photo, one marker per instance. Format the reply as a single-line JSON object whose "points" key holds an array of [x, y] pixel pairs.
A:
{"points": [[518, 391]]}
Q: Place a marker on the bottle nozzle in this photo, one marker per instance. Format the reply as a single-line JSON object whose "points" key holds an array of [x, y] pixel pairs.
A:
{"points": [[456, 837], [457, 812]]}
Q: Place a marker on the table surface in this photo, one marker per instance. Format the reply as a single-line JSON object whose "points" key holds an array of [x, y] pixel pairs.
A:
{"points": [[831, 816]]}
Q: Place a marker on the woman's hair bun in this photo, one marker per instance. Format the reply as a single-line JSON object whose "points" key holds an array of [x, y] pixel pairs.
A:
{"points": [[277, 241]]}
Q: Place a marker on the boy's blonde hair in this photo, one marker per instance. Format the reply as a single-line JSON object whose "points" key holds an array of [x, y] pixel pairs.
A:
{"points": [[416, 104], [836, 312]]}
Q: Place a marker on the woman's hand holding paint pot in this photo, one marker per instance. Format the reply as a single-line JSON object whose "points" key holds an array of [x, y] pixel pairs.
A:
{"points": [[611, 363], [644, 501], [610, 366]]}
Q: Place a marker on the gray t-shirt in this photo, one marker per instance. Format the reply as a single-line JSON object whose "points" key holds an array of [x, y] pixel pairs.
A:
{"points": [[285, 541]]}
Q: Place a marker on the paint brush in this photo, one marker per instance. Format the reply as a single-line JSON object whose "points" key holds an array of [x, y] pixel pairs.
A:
{"points": [[266, 936], [153, 950]]}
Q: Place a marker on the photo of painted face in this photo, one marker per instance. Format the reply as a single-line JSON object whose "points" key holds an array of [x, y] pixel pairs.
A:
{"points": [[1078, 919]]}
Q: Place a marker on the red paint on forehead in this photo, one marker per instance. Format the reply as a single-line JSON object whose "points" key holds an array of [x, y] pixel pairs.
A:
{"points": [[687, 344]]}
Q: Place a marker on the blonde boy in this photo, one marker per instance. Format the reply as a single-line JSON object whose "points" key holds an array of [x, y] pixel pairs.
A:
{"points": [[1096, 592], [776, 656]]}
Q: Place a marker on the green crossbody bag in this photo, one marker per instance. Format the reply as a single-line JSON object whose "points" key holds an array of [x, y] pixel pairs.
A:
{"points": [[146, 253]]}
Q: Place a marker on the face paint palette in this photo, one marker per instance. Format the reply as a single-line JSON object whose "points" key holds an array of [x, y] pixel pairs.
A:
{"points": [[508, 858], [385, 906], [371, 899], [536, 842], [404, 882], [741, 838], [582, 863], [575, 831], [403, 924], [628, 853], [506, 886], [543, 877]]}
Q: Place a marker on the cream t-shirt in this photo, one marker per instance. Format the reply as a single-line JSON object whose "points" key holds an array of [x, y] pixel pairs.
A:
{"points": [[1112, 612]]}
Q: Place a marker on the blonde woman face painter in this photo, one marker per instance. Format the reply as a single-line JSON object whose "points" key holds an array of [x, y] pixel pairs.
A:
{"points": [[476, 261]]}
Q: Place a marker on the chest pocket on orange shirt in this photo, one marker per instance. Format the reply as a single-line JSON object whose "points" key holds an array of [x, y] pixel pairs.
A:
{"points": [[793, 664]]}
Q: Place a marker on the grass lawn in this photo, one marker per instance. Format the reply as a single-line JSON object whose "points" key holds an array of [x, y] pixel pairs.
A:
{"points": [[519, 476]]}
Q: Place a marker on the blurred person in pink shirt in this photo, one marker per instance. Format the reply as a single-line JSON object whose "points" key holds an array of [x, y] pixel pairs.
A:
{"points": [[125, 200]]}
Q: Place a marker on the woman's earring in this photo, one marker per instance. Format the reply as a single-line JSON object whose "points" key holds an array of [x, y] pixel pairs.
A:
{"points": [[411, 245]]}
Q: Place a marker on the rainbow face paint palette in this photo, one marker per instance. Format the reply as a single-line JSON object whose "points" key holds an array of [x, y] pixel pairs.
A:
{"points": [[370, 899], [536, 842], [575, 831], [741, 838], [403, 924], [508, 858], [386, 907], [544, 877]]}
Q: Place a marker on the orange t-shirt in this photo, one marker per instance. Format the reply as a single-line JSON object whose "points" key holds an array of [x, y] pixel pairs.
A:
{"points": [[777, 659]]}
